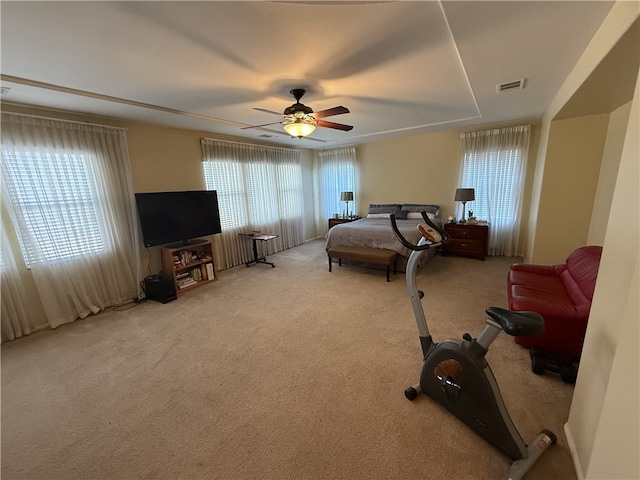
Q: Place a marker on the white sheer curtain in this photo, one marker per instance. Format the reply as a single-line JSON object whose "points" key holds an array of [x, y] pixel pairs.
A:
{"points": [[259, 188], [18, 317], [337, 174], [67, 187], [494, 164]]}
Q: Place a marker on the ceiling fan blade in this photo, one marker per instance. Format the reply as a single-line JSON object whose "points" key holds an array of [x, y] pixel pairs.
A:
{"points": [[337, 126], [314, 139], [331, 111], [258, 126], [267, 111]]}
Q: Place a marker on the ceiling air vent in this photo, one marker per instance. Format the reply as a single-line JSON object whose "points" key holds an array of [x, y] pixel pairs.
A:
{"points": [[509, 86]]}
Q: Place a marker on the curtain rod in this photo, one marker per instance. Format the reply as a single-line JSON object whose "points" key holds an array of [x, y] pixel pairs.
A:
{"points": [[496, 130], [42, 117], [251, 144], [343, 147]]}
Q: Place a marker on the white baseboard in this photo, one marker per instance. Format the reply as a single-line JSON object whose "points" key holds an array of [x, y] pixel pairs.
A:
{"points": [[573, 451]]}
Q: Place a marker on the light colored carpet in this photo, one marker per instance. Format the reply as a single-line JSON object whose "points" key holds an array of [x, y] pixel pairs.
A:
{"points": [[269, 373]]}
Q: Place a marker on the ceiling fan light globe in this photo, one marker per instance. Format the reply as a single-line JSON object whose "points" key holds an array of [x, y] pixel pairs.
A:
{"points": [[299, 128]]}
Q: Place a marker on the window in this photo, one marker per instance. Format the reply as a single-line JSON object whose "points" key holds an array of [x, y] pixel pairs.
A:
{"points": [[289, 190], [338, 174], [493, 162], [259, 188], [68, 192], [56, 195], [242, 198], [227, 179], [495, 175]]}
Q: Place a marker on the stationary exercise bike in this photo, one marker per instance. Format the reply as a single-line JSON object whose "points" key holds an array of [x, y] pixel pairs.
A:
{"points": [[456, 374]]}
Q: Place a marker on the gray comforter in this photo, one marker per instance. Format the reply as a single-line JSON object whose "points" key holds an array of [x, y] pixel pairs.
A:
{"points": [[375, 233]]}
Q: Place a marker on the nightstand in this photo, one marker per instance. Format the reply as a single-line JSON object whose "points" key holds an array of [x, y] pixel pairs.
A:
{"points": [[467, 239], [335, 221]]}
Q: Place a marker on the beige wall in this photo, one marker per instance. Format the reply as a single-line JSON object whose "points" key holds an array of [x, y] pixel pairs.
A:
{"points": [[569, 183], [164, 159], [608, 174], [415, 169]]}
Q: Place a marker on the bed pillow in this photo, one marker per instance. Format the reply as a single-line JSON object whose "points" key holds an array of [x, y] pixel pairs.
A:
{"points": [[419, 215], [383, 207], [418, 207], [399, 214]]}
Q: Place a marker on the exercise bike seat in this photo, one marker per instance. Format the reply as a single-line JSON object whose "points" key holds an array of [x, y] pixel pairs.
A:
{"points": [[520, 324]]}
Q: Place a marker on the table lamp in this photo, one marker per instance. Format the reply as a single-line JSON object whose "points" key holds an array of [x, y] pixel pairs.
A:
{"points": [[346, 197], [464, 195]]}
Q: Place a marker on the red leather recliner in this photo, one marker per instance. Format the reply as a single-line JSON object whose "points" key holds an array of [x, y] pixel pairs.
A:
{"points": [[562, 294]]}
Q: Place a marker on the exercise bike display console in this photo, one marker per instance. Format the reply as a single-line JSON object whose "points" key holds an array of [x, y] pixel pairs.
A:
{"points": [[456, 374]]}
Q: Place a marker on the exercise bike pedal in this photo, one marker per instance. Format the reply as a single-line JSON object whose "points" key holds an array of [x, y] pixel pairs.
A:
{"points": [[412, 392], [450, 387]]}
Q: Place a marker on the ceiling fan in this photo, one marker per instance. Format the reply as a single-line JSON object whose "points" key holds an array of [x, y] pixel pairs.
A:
{"points": [[300, 120]]}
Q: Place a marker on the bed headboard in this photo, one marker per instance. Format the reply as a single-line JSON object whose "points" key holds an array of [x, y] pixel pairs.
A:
{"points": [[401, 210]]}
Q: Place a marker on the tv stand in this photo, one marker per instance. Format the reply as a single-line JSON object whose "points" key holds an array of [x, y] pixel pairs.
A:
{"points": [[187, 243], [189, 266]]}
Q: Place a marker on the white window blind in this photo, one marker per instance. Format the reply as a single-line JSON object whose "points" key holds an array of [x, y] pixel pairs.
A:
{"points": [[227, 178], [494, 163], [56, 194], [494, 175], [338, 174]]}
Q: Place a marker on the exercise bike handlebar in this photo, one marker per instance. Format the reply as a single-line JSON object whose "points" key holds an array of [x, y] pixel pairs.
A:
{"points": [[425, 246]]}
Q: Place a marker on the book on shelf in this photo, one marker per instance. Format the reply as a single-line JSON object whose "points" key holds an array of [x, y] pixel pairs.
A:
{"points": [[186, 282], [196, 274], [211, 274]]}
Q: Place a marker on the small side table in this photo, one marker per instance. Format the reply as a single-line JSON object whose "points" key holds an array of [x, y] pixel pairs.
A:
{"points": [[255, 238], [336, 221], [467, 239]]}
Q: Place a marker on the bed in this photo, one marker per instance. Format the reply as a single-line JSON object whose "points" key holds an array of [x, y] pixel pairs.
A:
{"points": [[375, 230]]}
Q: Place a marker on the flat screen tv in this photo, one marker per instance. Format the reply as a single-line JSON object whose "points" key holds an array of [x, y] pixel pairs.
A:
{"points": [[167, 217]]}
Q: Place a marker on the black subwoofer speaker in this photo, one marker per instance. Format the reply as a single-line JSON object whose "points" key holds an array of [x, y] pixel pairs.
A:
{"points": [[159, 288]]}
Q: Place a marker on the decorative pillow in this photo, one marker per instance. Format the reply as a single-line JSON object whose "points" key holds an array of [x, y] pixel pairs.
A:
{"points": [[417, 207], [419, 215], [401, 214], [383, 207]]}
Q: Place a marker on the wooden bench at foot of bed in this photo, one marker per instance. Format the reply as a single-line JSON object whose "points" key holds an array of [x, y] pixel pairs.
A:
{"points": [[377, 256]]}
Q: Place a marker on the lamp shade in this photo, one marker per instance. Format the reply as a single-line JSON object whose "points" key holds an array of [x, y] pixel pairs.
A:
{"points": [[465, 195], [346, 197]]}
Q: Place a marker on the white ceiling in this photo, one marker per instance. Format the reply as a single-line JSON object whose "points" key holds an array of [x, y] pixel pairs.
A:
{"points": [[402, 68]]}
